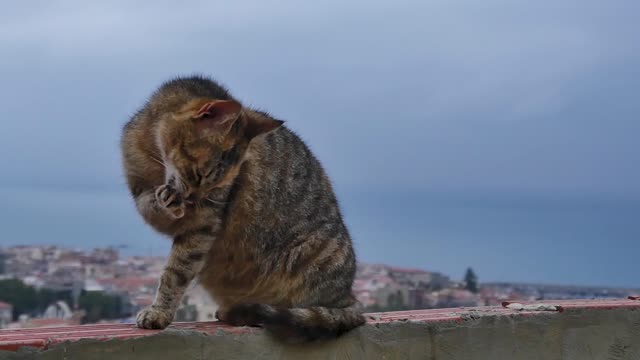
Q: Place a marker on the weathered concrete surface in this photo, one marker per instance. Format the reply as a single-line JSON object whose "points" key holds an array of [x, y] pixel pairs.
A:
{"points": [[600, 333]]}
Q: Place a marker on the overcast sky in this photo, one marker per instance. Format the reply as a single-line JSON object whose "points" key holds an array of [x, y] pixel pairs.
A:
{"points": [[507, 95], [455, 94]]}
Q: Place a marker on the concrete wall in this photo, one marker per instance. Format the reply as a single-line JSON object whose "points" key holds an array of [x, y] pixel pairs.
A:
{"points": [[584, 333]]}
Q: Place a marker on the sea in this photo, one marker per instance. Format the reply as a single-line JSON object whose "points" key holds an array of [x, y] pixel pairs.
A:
{"points": [[516, 236]]}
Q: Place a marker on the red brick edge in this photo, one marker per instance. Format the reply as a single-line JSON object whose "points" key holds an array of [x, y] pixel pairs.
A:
{"points": [[43, 338]]}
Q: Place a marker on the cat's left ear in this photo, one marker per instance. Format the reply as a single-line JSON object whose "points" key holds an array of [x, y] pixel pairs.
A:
{"points": [[260, 125], [217, 116]]}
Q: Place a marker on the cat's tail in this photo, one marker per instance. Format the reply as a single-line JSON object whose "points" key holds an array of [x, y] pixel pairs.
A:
{"points": [[297, 324]]}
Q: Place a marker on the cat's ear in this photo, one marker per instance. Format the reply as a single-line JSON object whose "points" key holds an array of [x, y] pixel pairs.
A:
{"points": [[216, 116], [260, 125]]}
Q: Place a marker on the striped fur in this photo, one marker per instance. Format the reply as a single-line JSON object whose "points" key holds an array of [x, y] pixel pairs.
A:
{"points": [[250, 209]]}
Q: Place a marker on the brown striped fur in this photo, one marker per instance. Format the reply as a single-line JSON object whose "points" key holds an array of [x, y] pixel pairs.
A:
{"points": [[250, 210]]}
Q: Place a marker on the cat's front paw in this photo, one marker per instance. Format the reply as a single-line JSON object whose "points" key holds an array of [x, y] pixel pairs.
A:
{"points": [[153, 318], [171, 201]]}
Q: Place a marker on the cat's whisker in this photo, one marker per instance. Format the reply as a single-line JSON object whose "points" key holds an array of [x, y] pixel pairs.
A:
{"points": [[183, 184], [216, 202], [158, 161]]}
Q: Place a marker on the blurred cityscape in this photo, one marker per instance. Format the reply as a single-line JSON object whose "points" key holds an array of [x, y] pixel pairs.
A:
{"points": [[53, 286]]}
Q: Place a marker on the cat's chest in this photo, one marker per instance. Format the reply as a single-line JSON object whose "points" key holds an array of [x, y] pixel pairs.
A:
{"points": [[230, 274], [229, 262], [235, 282], [231, 256]]}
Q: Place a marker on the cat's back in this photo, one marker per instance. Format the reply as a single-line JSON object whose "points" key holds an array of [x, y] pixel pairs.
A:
{"points": [[289, 175], [284, 241], [284, 196]]}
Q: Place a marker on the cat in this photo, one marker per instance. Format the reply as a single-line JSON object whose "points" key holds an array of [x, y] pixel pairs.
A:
{"points": [[250, 209]]}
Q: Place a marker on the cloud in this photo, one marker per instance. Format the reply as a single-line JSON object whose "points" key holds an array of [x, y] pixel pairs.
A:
{"points": [[497, 94]]}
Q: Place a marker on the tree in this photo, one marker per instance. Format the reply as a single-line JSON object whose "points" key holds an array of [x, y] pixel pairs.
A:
{"points": [[391, 301], [374, 308], [47, 297], [27, 299], [99, 305], [400, 300], [395, 302], [186, 312], [3, 267], [471, 280], [23, 298]]}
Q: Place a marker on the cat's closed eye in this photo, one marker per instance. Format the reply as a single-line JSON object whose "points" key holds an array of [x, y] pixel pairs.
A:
{"points": [[208, 173]]}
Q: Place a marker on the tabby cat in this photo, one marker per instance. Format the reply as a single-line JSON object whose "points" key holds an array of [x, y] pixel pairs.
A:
{"points": [[250, 210]]}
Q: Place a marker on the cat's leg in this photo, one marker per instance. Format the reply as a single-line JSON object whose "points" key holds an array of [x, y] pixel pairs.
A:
{"points": [[188, 253], [185, 262], [161, 207]]}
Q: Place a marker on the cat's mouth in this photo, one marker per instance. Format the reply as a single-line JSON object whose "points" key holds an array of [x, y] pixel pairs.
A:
{"points": [[193, 198], [190, 199]]}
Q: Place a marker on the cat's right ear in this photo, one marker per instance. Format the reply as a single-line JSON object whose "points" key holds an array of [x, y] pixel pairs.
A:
{"points": [[216, 116]]}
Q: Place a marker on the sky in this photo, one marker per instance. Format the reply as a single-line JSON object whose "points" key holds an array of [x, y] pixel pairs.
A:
{"points": [[406, 97]]}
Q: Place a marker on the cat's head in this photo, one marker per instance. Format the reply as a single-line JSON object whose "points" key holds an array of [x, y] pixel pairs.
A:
{"points": [[204, 143]]}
